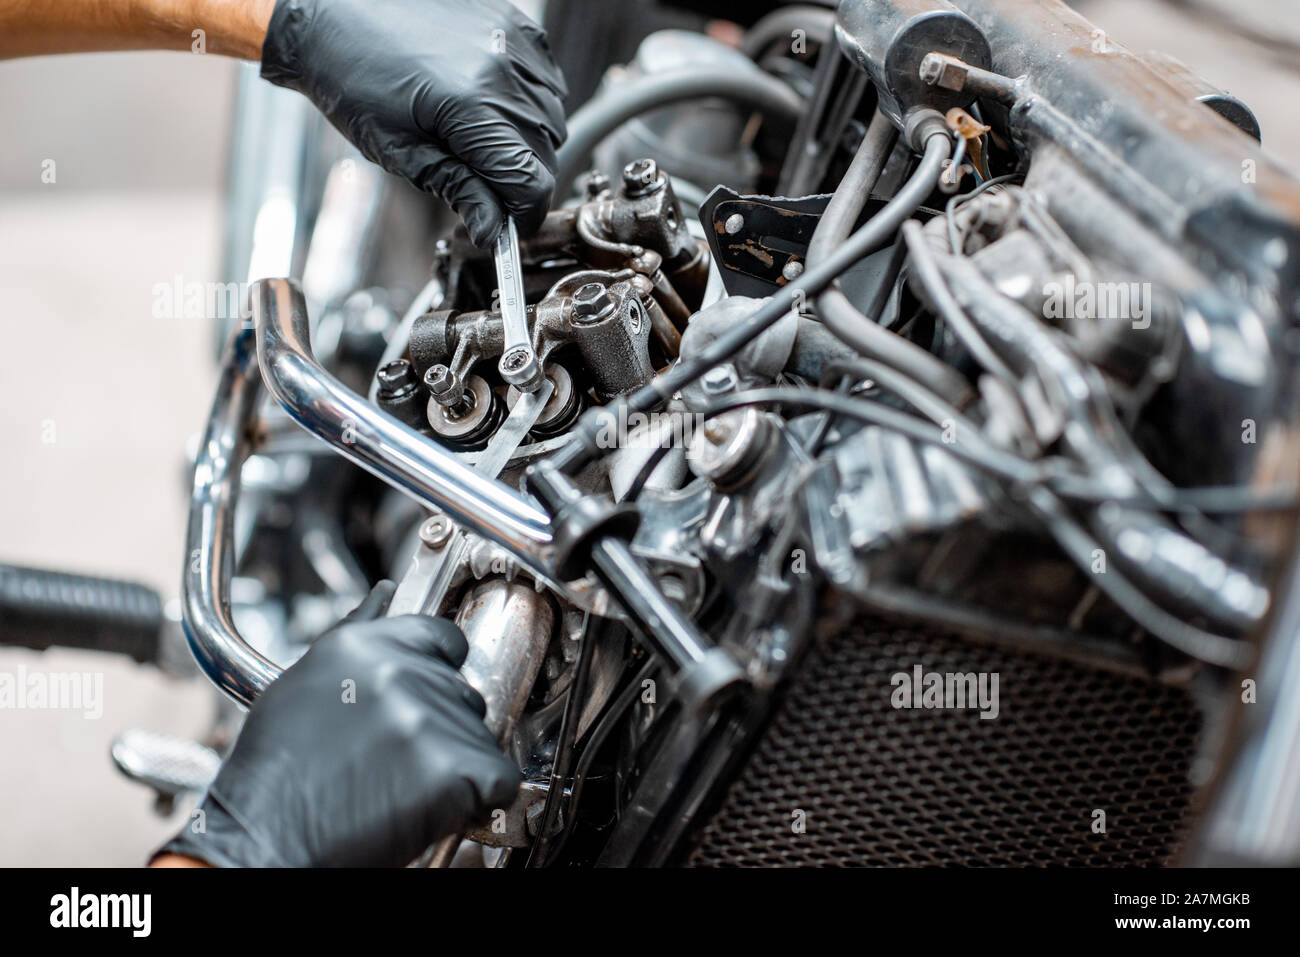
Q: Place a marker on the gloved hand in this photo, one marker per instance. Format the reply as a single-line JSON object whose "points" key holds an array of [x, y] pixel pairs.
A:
{"points": [[461, 97], [364, 753]]}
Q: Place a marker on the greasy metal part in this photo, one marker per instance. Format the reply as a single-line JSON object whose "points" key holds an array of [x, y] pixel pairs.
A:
{"points": [[585, 442], [427, 298], [1173, 163], [447, 389], [410, 462], [641, 177], [224, 656], [469, 422], [612, 331], [399, 393], [444, 547], [668, 300], [561, 408], [508, 626], [732, 448], [613, 231], [756, 240], [663, 328], [524, 415], [890, 38]]}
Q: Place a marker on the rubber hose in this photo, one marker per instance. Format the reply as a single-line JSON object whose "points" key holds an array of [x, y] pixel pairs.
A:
{"points": [[606, 113], [817, 23], [843, 319]]}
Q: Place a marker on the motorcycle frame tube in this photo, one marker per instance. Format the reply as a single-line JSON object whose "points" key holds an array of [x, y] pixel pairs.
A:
{"points": [[379, 443], [230, 662], [371, 438]]}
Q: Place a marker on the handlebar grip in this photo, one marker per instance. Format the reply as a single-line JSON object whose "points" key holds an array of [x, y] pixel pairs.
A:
{"points": [[43, 609]]}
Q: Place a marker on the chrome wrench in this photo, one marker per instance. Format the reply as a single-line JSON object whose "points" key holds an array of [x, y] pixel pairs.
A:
{"points": [[518, 365]]}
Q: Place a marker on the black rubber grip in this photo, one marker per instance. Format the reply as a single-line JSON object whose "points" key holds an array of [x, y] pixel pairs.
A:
{"points": [[43, 609]]}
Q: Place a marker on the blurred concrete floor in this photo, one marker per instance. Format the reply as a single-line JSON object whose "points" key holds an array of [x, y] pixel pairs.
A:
{"points": [[138, 142], [97, 399]]}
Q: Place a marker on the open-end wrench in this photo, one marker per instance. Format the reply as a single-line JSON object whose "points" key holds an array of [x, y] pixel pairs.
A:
{"points": [[518, 365]]}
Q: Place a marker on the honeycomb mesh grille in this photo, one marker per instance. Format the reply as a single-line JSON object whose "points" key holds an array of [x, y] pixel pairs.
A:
{"points": [[887, 787]]}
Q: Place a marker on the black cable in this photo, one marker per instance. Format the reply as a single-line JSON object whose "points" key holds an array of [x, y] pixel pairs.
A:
{"points": [[933, 407], [611, 716], [564, 747], [818, 23], [978, 451], [1074, 541], [607, 112], [647, 469]]}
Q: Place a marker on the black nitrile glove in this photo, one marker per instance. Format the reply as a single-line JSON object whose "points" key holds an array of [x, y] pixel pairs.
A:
{"points": [[461, 97], [364, 753]]}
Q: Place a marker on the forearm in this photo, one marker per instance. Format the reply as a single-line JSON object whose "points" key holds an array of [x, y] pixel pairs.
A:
{"points": [[177, 860], [230, 27]]}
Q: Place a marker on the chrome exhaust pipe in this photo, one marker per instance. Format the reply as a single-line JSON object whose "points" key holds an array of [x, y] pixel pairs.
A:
{"points": [[508, 626]]}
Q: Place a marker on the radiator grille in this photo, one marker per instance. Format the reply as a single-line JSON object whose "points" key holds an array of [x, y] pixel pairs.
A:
{"points": [[881, 786]]}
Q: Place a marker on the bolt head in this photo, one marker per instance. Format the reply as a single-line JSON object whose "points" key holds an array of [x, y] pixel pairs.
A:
{"points": [[439, 380], [435, 531], [595, 184], [734, 224], [591, 302], [394, 377], [514, 361], [719, 380], [444, 386], [641, 177]]}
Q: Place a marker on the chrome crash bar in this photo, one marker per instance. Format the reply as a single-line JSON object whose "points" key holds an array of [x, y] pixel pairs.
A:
{"points": [[230, 662], [366, 435], [379, 443]]}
